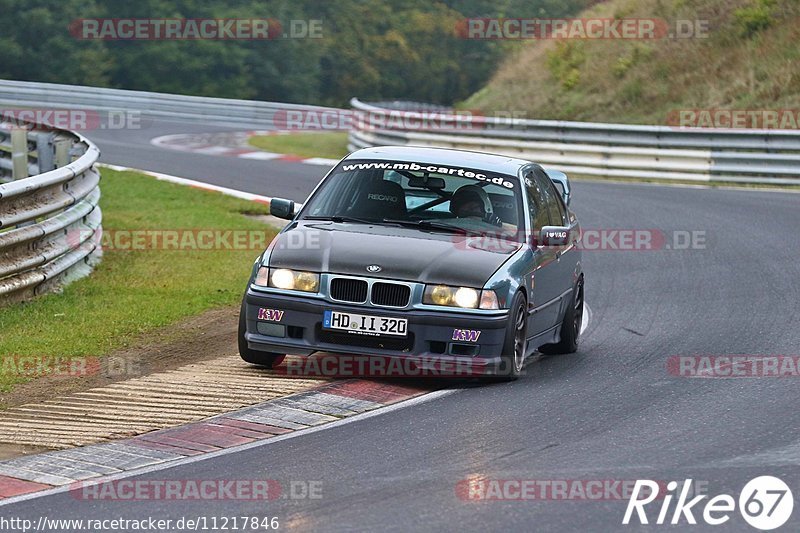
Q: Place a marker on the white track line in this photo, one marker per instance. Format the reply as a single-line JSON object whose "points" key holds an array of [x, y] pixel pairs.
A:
{"points": [[588, 312], [193, 183]]}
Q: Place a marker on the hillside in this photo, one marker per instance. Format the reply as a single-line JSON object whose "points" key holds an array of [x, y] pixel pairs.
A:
{"points": [[750, 59]]}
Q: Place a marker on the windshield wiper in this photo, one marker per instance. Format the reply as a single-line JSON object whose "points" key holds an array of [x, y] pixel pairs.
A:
{"points": [[419, 224], [427, 224], [340, 219]]}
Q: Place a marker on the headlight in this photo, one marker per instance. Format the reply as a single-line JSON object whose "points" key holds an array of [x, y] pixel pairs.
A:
{"points": [[466, 298], [460, 297], [290, 280]]}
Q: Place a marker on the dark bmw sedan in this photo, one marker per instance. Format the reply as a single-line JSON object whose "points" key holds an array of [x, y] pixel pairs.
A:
{"points": [[427, 254]]}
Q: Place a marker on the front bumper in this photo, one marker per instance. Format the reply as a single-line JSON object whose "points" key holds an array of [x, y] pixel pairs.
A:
{"points": [[293, 325]]}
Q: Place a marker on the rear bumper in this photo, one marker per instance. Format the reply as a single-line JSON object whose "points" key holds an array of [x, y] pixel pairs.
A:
{"points": [[293, 325]]}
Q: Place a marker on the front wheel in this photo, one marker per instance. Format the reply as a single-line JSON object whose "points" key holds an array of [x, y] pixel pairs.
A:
{"points": [[516, 341], [570, 326], [255, 357]]}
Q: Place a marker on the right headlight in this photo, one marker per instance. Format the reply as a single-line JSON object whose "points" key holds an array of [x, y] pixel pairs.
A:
{"points": [[287, 279]]}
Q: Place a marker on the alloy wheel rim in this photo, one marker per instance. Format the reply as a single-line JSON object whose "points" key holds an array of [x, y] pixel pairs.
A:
{"points": [[519, 338], [578, 315]]}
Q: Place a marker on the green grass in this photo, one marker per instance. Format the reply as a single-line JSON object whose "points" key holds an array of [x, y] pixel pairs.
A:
{"points": [[332, 145], [132, 293]]}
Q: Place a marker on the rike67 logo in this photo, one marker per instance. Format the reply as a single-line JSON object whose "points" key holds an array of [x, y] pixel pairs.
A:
{"points": [[765, 502]]}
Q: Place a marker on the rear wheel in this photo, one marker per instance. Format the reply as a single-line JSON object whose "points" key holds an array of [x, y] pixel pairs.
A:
{"points": [[570, 326], [516, 341], [255, 357]]}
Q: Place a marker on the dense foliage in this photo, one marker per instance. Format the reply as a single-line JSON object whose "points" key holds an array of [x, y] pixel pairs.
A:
{"points": [[372, 49]]}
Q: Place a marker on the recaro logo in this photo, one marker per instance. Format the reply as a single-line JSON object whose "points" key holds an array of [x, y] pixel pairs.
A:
{"points": [[382, 198]]}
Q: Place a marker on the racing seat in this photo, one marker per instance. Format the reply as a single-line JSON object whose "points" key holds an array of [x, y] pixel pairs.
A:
{"points": [[505, 207], [383, 199]]}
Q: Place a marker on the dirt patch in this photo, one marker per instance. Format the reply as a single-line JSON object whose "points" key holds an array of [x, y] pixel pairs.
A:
{"points": [[209, 335]]}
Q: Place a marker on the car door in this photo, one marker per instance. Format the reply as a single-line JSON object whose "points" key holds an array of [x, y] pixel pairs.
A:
{"points": [[563, 258], [542, 301]]}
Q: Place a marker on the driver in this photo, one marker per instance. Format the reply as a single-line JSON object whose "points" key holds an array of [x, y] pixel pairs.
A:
{"points": [[472, 201]]}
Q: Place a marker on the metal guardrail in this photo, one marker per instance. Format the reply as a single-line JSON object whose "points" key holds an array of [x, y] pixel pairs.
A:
{"points": [[50, 222], [608, 150], [221, 111]]}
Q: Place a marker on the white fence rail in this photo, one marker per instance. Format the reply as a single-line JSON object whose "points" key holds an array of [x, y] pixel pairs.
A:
{"points": [[608, 150], [221, 111]]}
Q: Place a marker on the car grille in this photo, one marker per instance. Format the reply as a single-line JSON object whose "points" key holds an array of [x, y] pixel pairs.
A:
{"points": [[404, 344], [390, 294], [349, 290]]}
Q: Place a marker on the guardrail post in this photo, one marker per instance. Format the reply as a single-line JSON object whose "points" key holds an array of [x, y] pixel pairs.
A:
{"points": [[19, 154], [45, 151], [62, 152]]}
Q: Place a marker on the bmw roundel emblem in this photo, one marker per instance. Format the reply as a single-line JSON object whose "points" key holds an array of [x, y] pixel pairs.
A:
{"points": [[374, 268]]}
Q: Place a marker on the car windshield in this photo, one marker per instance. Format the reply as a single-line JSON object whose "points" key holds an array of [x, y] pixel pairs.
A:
{"points": [[427, 196]]}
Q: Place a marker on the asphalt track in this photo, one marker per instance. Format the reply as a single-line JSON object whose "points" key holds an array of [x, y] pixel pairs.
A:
{"points": [[612, 411], [132, 148]]}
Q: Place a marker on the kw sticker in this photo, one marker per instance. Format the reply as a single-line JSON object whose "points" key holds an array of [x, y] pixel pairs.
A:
{"points": [[270, 315], [466, 335]]}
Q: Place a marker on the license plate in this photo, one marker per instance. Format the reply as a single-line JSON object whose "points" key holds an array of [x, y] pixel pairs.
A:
{"points": [[365, 324]]}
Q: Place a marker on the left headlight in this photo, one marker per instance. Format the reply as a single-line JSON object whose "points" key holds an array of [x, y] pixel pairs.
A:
{"points": [[465, 297], [290, 280]]}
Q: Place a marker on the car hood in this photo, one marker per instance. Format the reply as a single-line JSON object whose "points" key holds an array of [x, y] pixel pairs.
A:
{"points": [[404, 254]]}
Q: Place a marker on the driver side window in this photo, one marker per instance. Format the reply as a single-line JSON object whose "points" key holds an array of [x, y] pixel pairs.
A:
{"points": [[537, 208], [551, 198]]}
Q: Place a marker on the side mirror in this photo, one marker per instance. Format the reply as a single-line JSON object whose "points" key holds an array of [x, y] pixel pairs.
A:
{"points": [[560, 179], [554, 236], [282, 208]]}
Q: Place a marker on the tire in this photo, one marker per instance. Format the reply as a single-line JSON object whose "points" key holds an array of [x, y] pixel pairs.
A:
{"points": [[255, 357], [516, 341], [570, 326]]}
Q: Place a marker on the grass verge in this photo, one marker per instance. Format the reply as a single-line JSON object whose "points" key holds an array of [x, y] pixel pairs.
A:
{"points": [[133, 292], [332, 145]]}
